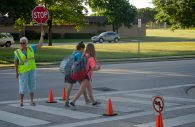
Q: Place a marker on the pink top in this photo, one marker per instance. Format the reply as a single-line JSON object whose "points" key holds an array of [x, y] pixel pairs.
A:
{"points": [[91, 64]]}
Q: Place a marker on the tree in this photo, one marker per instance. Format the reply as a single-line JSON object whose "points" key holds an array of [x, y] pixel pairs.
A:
{"points": [[181, 13], [63, 12], [20, 25], [17, 8], [147, 14], [118, 12]]}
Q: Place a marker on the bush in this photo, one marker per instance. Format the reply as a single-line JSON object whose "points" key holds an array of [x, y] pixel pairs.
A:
{"points": [[78, 35], [31, 35], [54, 35], [15, 36]]}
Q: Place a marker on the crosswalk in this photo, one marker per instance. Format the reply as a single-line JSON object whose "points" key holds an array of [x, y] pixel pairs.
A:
{"points": [[134, 106]]}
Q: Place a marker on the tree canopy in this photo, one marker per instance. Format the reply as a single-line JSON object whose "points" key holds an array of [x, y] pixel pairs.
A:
{"points": [[118, 12], [147, 14], [17, 8], [63, 12], [181, 13]]}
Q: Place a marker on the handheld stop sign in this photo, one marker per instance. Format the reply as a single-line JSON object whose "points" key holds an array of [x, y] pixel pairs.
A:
{"points": [[40, 14]]}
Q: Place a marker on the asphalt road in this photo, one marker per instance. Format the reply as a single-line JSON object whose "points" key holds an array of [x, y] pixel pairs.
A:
{"points": [[130, 85], [112, 77]]}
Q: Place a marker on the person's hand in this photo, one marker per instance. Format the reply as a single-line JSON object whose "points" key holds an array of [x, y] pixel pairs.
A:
{"points": [[17, 75], [98, 67]]}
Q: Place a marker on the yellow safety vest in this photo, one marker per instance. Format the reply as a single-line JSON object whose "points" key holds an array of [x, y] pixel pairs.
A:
{"points": [[25, 63]]}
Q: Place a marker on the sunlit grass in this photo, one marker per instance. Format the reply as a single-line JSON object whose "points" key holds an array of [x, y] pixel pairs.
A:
{"points": [[158, 43], [109, 51]]}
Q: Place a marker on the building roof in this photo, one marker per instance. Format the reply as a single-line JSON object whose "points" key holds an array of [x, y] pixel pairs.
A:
{"points": [[6, 20]]}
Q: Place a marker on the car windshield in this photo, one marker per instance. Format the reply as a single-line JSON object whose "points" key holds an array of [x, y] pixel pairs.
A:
{"points": [[6, 35], [9, 35], [102, 34]]}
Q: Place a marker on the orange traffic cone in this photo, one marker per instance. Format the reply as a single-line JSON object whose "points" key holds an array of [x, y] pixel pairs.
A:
{"points": [[50, 97], [64, 94], [159, 121], [109, 109]]}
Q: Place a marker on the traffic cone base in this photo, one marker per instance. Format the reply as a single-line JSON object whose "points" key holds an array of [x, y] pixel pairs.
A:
{"points": [[113, 114], [51, 102]]}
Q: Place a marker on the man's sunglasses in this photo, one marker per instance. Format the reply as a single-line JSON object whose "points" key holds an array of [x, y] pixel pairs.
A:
{"points": [[23, 43]]}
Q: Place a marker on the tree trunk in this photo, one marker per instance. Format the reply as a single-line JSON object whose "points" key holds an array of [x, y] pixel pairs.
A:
{"points": [[113, 27], [49, 22]]}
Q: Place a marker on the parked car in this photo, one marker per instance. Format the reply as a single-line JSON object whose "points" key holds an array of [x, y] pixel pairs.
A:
{"points": [[106, 36], [6, 39]]}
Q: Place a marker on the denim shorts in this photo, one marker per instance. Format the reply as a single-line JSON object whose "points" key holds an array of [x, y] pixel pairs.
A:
{"points": [[27, 82]]}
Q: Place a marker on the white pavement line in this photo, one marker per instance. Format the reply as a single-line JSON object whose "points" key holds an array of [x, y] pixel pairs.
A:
{"points": [[164, 97], [148, 89], [17, 101], [172, 122], [20, 120], [58, 111], [129, 100], [133, 115], [123, 71], [112, 93], [104, 106]]}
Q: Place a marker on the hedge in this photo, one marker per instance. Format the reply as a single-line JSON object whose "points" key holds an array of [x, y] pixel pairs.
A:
{"points": [[15, 36], [78, 35]]}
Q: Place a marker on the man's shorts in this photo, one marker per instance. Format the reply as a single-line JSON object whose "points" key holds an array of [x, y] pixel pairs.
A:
{"points": [[27, 82]]}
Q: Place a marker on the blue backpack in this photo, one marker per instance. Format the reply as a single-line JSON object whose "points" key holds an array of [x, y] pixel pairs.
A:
{"points": [[79, 69], [66, 64]]}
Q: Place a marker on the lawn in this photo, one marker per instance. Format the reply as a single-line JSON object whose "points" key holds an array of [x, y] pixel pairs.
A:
{"points": [[168, 47]]}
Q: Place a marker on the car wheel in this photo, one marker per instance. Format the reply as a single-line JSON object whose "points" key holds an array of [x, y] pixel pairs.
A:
{"points": [[109, 41], [116, 40], [8, 44], [101, 40]]}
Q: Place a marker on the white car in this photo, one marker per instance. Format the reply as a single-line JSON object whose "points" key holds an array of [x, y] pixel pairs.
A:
{"points": [[6, 39], [106, 36]]}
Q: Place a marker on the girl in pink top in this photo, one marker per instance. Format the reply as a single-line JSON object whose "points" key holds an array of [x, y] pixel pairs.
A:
{"points": [[85, 83]]}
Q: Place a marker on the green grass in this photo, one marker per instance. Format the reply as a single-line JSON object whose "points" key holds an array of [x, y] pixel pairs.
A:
{"points": [[158, 43]]}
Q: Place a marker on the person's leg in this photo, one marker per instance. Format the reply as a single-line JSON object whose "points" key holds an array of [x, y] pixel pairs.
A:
{"points": [[31, 85], [23, 81], [21, 99], [81, 90], [69, 89], [90, 94], [89, 91], [87, 100], [31, 99]]}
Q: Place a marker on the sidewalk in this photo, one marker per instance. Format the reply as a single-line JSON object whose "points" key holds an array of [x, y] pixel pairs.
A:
{"points": [[107, 61]]}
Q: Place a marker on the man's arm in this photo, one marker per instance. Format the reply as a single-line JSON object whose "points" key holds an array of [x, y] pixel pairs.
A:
{"points": [[40, 44]]}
